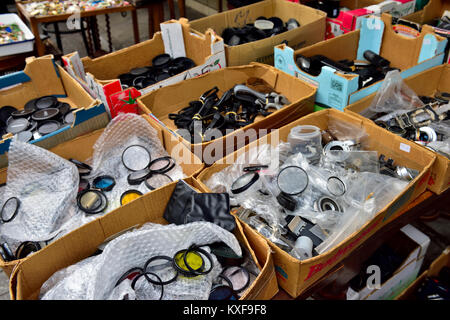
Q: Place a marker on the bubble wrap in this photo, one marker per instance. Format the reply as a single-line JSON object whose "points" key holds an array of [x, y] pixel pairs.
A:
{"points": [[46, 185], [94, 278]]}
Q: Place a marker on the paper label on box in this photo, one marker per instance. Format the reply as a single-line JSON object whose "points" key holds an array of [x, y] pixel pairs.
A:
{"points": [[310, 81], [172, 34], [405, 147]]}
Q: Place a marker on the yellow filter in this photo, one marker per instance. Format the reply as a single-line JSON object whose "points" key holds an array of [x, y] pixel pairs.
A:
{"points": [[194, 260], [129, 196]]}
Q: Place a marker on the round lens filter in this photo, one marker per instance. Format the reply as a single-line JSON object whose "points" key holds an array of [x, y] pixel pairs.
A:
{"points": [[222, 292], [244, 182], [136, 158], [157, 180], [162, 266], [17, 125], [69, 117], [188, 263], [10, 209], [129, 196], [21, 113], [130, 274], [31, 105], [24, 136], [336, 186], [26, 248], [92, 201], [292, 180], [48, 126], [104, 183], [46, 102], [162, 165], [45, 114], [64, 108], [83, 185], [137, 177], [83, 168], [238, 276]]}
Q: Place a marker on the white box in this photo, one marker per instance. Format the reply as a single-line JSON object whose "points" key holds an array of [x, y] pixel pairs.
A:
{"points": [[26, 45], [403, 276]]}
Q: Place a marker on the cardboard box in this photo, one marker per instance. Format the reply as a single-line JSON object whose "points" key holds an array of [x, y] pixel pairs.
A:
{"points": [[99, 76], [29, 276], [338, 90], [42, 77], [432, 10], [312, 29], [81, 149], [295, 276], [409, 243], [433, 271], [426, 83], [171, 99]]}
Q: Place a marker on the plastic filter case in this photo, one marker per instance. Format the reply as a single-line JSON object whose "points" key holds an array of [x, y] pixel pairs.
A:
{"points": [[307, 140]]}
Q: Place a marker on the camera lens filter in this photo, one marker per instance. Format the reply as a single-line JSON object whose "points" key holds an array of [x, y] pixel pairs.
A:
{"points": [[92, 201]]}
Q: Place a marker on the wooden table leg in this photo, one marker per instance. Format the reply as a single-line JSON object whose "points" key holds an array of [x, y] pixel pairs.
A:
{"points": [[40, 48], [171, 9], [151, 28], [182, 7], [135, 25], [158, 15]]}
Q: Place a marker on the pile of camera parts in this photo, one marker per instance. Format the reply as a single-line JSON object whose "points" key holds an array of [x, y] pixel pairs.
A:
{"points": [[163, 67], [369, 72], [237, 108], [262, 28], [38, 118]]}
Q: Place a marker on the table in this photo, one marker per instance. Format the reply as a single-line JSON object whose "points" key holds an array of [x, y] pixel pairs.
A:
{"points": [[89, 15], [336, 280]]}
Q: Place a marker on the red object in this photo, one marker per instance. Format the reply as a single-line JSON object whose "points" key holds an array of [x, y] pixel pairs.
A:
{"points": [[124, 101]]}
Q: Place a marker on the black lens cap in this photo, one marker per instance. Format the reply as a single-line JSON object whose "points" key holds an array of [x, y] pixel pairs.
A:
{"points": [[162, 76], [48, 126], [64, 108], [147, 82], [139, 71], [25, 136], [69, 118], [126, 79], [137, 82], [277, 22], [32, 126], [17, 125], [45, 114], [161, 61], [21, 113], [31, 105], [46, 102], [5, 112]]}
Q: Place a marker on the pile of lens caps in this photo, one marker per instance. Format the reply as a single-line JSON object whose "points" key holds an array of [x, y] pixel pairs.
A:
{"points": [[136, 158], [38, 118], [262, 28], [190, 263], [162, 68]]}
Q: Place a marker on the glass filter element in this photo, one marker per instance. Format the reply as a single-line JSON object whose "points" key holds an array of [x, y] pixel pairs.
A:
{"points": [[136, 158], [292, 180]]}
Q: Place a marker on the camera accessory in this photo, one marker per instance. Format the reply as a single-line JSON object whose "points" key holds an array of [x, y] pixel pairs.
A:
{"points": [[21, 113], [92, 201], [162, 165], [426, 134], [151, 266], [286, 201], [83, 168], [26, 248], [10, 209], [190, 263], [406, 173], [222, 292], [83, 185], [304, 246], [157, 180], [244, 182], [46, 102], [24, 136], [376, 59], [64, 108], [264, 24], [130, 274], [69, 117], [137, 177], [104, 183], [161, 61], [17, 125], [47, 127], [137, 72], [45, 114], [147, 277], [5, 113], [292, 24], [238, 276], [7, 254], [327, 203], [136, 158], [129, 196], [292, 180], [336, 186]]}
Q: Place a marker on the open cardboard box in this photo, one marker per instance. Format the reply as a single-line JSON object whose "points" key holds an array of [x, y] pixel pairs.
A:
{"points": [[42, 77], [433, 271], [411, 245], [28, 277], [337, 90], [432, 10], [426, 83], [99, 76], [171, 99], [295, 276], [311, 30], [82, 149]]}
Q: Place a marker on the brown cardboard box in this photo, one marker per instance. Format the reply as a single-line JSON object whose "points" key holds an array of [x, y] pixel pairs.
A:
{"points": [[42, 77], [432, 10], [312, 29], [81, 149], [29, 276], [442, 261], [426, 83], [295, 276], [172, 99], [176, 38]]}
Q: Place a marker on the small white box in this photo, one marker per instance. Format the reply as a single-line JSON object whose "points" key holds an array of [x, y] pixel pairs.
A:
{"points": [[26, 45]]}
